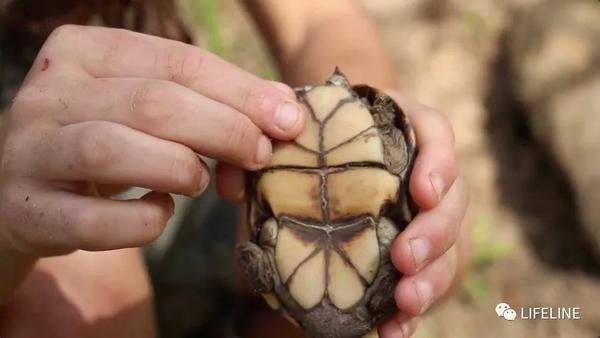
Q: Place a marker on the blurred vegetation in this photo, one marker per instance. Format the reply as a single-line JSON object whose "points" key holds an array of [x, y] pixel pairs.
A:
{"points": [[239, 44], [206, 14], [474, 24], [486, 250]]}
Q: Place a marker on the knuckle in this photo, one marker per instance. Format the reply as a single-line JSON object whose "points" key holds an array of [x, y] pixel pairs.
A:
{"points": [[95, 152], [243, 137], [24, 227], [84, 229], [143, 105], [440, 120], [64, 33], [247, 94], [450, 263], [188, 67], [27, 104], [114, 43], [138, 98], [449, 229], [446, 124]]}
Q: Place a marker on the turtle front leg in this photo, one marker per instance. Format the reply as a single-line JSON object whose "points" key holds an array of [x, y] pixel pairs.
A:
{"points": [[256, 260]]}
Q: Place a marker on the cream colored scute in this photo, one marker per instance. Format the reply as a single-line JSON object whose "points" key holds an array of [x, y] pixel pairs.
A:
{"points": [[363, 253], [291, 193], [366, 148], [290, 251], [271, 300], [345, 288], [309, 137], [324, 99], [347, 122], [360, 191], [285, 153], [307, 286]]}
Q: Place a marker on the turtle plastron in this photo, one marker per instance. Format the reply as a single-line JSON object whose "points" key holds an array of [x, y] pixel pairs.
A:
{"points": [[325, 209]]}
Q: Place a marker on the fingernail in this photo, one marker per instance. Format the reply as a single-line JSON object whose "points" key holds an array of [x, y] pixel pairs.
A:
{"points": [[203, 184], [424, 291], [437, 182], [201, 187], [172, 208], [420, 250], [286, 116], [263, 151]]}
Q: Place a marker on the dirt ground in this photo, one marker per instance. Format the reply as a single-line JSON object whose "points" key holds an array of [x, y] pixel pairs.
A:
{"points": [[528, 250]]}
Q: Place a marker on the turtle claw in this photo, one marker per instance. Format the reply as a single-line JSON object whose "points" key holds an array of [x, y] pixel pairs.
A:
{"points": [[256, 266]]}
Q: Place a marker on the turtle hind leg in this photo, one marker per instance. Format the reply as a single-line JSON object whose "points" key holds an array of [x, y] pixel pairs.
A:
{"points": [[381, 304], [256, 265]]}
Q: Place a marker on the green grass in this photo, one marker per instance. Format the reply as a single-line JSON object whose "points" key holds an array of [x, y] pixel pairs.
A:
{"points": [[206, 14], [486, 249], [473, 23]]}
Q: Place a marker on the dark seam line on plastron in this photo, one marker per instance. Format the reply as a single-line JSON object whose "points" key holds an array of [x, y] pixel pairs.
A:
{"points": [[324, 197], [321, 162], [305, 148], [327, 170], [337, 107], [298, 225], [306, 259], [346, 260], [364, 131], [311, 111]]}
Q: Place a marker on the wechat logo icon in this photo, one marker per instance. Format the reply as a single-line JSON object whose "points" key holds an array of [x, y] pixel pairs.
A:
{"points": [[503, 310]]}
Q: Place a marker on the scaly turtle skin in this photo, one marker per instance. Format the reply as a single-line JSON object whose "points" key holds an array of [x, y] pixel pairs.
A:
{"points": [[325, 210]]}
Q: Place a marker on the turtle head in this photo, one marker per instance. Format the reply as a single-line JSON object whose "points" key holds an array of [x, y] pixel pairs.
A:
{"points": [[338, 79]]}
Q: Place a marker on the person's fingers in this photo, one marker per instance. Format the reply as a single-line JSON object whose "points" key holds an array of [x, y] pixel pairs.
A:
{"points": [[398, 326], [415, 294], [160, 108], [107, 52], [230, 182], [59, 221], [435, 166], [110, 153], [432, 232]]}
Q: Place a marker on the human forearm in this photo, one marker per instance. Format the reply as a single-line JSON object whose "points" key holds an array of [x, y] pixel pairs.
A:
{"points": [[309, 39]]}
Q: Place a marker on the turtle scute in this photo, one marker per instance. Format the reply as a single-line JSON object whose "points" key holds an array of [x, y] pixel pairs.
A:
{"points": [[325, 209]]}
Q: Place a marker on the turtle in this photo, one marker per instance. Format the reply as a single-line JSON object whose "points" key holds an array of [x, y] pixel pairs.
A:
{"points": [[324, 211]]}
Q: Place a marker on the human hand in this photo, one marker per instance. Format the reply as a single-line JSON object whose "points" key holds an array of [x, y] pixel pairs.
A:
{"points": [[106, 107], [427, 252]]}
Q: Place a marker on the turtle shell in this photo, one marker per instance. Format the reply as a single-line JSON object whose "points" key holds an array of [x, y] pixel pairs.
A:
{"points": [[325, 209]]}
